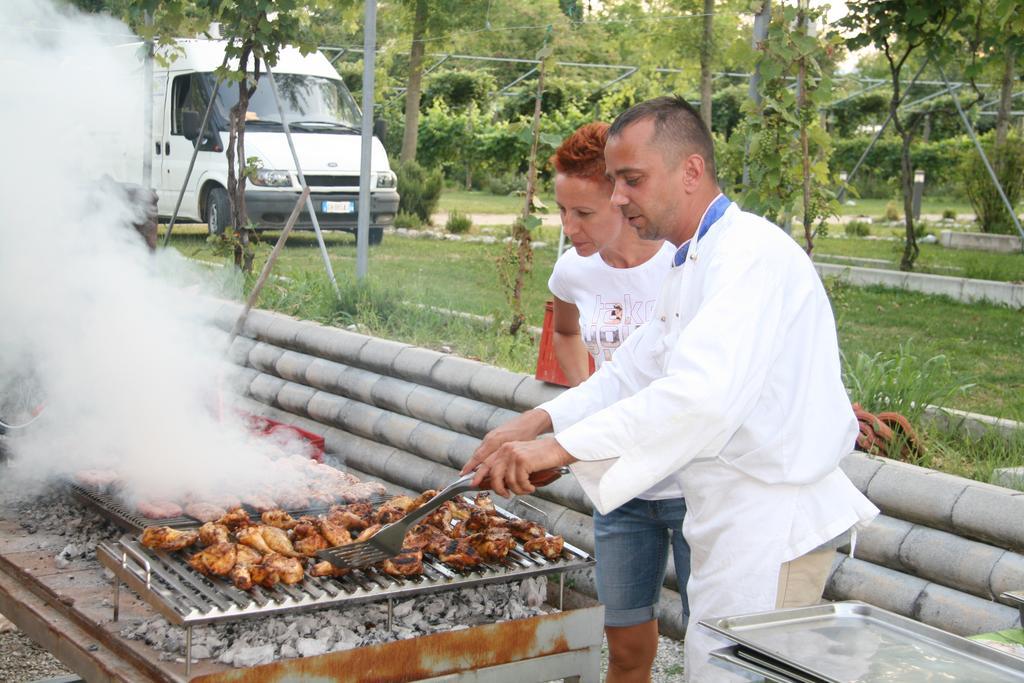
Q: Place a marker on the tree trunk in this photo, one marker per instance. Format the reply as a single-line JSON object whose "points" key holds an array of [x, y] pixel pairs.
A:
{"points": [[805, 153], [413, 88], [705, 62], [1005, 97], [910, 248], [237, 164]]}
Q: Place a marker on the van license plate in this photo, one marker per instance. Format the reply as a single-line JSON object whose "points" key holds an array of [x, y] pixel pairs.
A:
{"points": [[337, 207]]}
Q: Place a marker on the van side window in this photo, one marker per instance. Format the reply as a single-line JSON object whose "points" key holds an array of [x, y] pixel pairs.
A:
{"points": [[187, 95]]}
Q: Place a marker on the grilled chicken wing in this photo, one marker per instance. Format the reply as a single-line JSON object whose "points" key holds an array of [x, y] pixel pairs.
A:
{"points": [[288, 569], [325, 568], [252, 536], [428, 538], [308, 540], [366, 533], [493, 543], [279, 518], [213, 533], [235, 518], [335, 534], [394, 509], [460, 554], [484, 502], [548, 546], [408, 563], [241, 575], [277, 540], [247, 555], [166, 538], [525, 530], [217, 560], [356, 516]]}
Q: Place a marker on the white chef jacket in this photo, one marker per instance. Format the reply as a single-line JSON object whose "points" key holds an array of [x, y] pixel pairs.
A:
{"points": [[734, 390]]}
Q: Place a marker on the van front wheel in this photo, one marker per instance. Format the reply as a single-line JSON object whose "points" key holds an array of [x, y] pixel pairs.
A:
{"points": [[218, 211]]}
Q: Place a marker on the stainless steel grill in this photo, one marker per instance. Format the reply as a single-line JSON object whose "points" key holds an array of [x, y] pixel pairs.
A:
{"points": [[186, 597], [122, 516]]}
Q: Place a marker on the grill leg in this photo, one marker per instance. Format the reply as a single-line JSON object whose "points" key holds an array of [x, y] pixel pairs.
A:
{"points": [[188, 651], [391, 613], [561, 591], [117, 598]]}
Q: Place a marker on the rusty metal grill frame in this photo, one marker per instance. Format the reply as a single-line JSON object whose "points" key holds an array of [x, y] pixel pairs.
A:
{"points": [[187, 598]]}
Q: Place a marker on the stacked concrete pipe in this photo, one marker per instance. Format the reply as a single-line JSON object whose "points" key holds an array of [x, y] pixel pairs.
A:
{"points": [[943, 551]]}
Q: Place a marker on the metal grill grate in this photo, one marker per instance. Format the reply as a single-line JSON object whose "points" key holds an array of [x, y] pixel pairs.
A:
{"points": [[186, 597]]}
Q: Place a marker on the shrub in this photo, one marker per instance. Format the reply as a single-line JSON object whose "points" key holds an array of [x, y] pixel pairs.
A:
{"points": [[892, 214], [857, 229], [504, 184], [407, 220], [458, 223], [419, 189], [1008, 161], [948, 214]]}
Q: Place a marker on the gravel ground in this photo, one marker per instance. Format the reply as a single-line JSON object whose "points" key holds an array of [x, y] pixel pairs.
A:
{"points": [[21, 660]]}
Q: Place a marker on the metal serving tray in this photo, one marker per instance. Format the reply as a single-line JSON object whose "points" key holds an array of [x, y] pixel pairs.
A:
{"points": [[741, 659], [853, 642]]}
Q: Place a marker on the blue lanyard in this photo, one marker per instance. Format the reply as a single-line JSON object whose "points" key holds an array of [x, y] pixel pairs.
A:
{"points": [[711, 216]]}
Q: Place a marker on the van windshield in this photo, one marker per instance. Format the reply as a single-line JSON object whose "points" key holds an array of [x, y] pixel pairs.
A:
{"points": [[312, 103]]}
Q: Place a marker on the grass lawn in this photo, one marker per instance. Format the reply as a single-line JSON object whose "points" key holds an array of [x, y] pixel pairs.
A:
{"points": [[984, 343], [933, 258], [929, 205], [475, 201]]}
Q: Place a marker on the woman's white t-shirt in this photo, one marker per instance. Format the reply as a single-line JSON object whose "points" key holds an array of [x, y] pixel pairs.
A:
{"points": [[612, 301]]}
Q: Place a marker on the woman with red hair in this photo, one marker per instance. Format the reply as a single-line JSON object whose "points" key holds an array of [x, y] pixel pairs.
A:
{"points": [[605, 287]]}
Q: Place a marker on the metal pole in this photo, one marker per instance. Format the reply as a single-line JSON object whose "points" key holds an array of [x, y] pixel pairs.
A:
{"points": [[864, 155], [984, 160], [365, 158], [147, 110], [302, 182], [265, 273], [192, 161]]}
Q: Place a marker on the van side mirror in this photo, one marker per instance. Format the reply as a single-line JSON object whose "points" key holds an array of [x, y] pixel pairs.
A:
{"points": [[380, 130], [190, 125]]}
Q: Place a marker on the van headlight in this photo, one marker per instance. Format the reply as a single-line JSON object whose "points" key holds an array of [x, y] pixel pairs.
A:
{"points": [[266, 178], [386, 179]]}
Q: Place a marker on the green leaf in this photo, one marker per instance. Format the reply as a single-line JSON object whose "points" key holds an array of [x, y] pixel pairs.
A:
{"points": [[532, 222], [551, 139]]}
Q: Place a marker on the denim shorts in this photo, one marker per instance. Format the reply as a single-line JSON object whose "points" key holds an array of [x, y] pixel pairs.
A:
{"points": [[631, 545]]}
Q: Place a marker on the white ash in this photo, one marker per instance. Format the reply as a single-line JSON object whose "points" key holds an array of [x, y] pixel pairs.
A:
{"points": [[252, 642], [57, 513]]}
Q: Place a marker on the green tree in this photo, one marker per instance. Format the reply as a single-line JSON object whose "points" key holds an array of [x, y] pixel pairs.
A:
{"points": [[900, 29]]}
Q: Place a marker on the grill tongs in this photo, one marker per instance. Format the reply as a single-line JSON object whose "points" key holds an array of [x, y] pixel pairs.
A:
{"points": [[388, 541]]}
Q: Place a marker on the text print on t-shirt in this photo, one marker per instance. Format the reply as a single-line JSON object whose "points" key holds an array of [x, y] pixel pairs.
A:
{"points": [[612, 321]]}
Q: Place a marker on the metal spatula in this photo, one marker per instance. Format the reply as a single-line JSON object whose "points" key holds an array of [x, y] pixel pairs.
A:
{"points": [[388, 541]]}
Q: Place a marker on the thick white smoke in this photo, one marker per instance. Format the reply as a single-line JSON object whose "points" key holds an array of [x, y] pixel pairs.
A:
{"points": [[127, 368]]}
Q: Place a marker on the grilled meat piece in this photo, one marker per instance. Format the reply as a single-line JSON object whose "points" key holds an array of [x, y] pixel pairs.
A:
{"points": [[213, 533], [262, 575], [279, 518], [288, 569], [460, 554], [278, 541], [548, 546], [217, 560], [493, 543], [252, 536], [459, 509], [235, 518], [356, 516], [335, 534], [480, 519], [205, 512], [362, 491], [366, 533], [484, 502], [308, 540], [427, 538], [525, 530], [99, 480], [241, 575], [325, 568], [166, 538], [408, 563], [260, 501], [423, 498], [440, 518], [159, 509], [247, 555], [394, 509]]}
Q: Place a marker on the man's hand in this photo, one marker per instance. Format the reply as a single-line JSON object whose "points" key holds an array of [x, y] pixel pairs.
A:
{"points": [[526, 427], [509, 467]]}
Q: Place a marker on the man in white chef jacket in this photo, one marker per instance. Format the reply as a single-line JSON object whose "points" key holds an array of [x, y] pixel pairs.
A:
{"points": [[733, 390]]}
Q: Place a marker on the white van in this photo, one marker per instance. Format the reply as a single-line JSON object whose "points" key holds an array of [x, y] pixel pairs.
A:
{"points": [[325, 124]]}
